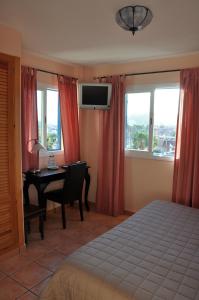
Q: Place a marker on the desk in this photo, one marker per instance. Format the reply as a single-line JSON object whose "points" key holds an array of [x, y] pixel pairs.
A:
{"points": [[41, 179]]}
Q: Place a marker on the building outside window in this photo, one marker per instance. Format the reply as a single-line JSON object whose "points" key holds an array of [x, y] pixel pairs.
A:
{"points": [[151, 118]]}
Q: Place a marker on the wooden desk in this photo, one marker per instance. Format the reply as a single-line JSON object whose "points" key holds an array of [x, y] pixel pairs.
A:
{"points": [[44, 177]]}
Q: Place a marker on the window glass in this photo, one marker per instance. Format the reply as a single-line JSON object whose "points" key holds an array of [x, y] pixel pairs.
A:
{"points": [[49, 124], [165, 118], [53, 121], [39, 112], [137, 121], [151, 119]]}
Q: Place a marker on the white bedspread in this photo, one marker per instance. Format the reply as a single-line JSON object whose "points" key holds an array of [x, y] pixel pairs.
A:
{"points": [[152, 255]]}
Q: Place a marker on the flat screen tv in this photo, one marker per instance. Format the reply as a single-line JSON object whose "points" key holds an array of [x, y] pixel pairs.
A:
{"points": [[95, 95]]}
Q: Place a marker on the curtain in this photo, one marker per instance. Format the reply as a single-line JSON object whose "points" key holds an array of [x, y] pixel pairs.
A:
{"points": [[186, 163], [110, 184], [29, 119], [69, 117]]}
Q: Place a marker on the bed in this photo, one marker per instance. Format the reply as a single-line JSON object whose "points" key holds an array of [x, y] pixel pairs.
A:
{"points": [[154, 254]]}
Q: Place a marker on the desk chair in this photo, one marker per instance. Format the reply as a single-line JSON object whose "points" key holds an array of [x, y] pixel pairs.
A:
{"points": [[72, 189]]}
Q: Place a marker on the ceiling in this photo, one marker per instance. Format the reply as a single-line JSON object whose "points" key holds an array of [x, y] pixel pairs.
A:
{"points": [[85, 32]]}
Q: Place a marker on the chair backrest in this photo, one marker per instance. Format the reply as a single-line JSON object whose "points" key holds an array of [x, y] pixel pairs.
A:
{"points": [[73, 183]]}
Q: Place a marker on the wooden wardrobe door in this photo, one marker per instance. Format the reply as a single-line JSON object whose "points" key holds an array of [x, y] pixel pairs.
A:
{"points": [[8, 202]]}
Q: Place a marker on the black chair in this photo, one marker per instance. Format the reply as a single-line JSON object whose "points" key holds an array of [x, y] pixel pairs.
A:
{"points": [[32, 211], [71, 191]]}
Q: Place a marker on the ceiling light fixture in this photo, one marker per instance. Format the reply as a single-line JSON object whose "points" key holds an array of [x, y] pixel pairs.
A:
{"points": [[133, 18]]}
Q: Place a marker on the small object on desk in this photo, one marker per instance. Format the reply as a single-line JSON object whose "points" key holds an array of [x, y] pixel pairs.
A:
{"points": [[36, 147], [34, 171], [65, 166], [51, 163], [72, 162], [53, 167]]}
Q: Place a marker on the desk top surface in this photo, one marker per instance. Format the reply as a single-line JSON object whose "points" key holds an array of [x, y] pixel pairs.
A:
{"points": [[46, 172]]}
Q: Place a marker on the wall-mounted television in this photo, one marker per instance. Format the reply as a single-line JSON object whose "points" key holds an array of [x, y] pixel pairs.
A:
{"points": [[95, 95]]}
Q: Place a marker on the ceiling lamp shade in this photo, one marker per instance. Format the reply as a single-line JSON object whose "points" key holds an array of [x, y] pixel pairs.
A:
{"points": [[133, 18]]}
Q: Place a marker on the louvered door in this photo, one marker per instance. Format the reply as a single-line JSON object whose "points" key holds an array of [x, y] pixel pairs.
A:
{"points": [[8, 202]]}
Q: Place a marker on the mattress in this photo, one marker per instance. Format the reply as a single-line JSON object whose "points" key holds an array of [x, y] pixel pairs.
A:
{"points": [[152, 255]]}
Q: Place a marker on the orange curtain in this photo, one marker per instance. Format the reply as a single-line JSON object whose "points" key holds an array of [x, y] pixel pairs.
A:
{"points": [[29, 119], [186, 164], [110, 184], [69, 117]]}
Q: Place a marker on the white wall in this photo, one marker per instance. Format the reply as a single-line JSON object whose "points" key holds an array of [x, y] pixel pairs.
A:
{"points": [[146, 180]]}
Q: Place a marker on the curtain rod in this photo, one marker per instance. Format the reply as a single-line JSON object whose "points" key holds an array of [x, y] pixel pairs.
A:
{"points": [[53, 73], [143, 73]]}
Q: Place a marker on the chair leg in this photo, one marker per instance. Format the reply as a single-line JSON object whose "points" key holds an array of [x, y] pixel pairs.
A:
{"points": [[45, 207], [41, 226], [26, 232], [81, 209], [63, 215], [28, 226]]}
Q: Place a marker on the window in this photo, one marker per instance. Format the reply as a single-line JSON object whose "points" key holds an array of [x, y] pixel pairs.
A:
{"points": [[151, 118], [48, 110]]}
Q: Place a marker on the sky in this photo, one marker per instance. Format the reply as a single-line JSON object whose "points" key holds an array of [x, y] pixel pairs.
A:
{"points": [[165, 107], [52, 106]]}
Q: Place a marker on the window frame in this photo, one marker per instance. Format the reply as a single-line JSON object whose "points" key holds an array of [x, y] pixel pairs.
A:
{"points": [[43, 88], [151, 89]]}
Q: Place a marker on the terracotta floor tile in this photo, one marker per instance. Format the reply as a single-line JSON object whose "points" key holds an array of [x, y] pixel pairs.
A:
{"points": [[87, 237], [10, 289], [2, 275], [98, 217], [88, 226], [51, 240], [41, 286], [35, 250], [31, 275], [68, 246], [73, 234], [101, 229], [28, 296], [53, 224], [51, 260], [13, 264]]}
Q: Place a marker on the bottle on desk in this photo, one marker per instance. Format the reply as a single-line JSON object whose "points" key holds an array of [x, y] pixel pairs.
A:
{"points": [[52, 163]]}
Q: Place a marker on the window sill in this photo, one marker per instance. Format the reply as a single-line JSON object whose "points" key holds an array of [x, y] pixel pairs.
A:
{"points": [[146, 155]]}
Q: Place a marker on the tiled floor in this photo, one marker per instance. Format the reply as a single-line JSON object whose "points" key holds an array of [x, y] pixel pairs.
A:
{"points": [[25, 276]]}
